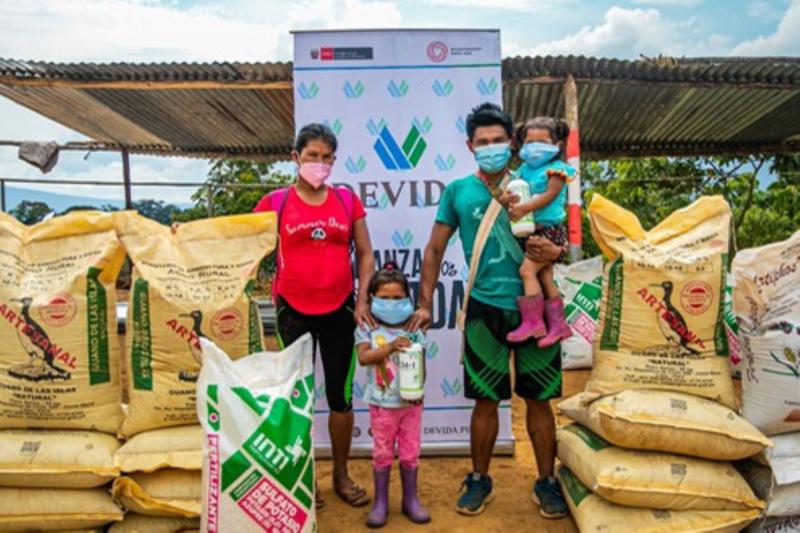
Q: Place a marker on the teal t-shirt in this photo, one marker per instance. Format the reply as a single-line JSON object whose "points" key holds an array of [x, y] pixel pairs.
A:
{"points": [[497, 283], [555, 212]]}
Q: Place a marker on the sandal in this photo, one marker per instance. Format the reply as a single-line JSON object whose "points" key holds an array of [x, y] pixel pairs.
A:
{"points": [[319, 502], [356, 496]]}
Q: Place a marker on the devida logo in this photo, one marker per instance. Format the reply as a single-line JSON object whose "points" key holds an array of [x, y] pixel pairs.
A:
{"points": [[451, 387], [438, 51], [406, 156]]}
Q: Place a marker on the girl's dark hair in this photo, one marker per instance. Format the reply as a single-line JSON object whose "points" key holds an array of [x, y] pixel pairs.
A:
{"points": [[313, 132], [488, 114], [558, 129], [389, 273]]}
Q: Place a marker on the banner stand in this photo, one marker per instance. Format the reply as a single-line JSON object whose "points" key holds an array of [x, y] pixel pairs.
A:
{"points": [[397, 101]]}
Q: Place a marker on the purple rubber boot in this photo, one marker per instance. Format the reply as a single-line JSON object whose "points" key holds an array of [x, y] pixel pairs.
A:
{"points": [[531, 308], [380, 507], [557, 327], [411, 506]]}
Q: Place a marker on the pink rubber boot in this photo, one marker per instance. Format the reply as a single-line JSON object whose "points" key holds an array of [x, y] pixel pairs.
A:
{"points": [[531, 309], [557, 327]]}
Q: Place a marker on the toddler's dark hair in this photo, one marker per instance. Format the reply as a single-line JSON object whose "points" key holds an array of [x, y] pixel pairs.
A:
{"points": [[389, 273], [558, 129], [488, 114]]}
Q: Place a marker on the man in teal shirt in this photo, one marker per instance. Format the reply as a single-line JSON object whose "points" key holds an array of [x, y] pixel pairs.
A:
{"points": [[492, 313]]}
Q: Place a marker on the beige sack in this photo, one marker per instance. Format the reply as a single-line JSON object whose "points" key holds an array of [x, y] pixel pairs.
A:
{"points": [[163, 493], [782, 500], [196, 282], [593, 513], [661, 322], [652, 480], [766, 300], [51, 458], [55, 509], [669, 422], [59, 366], [136, 523], [177, 447]]}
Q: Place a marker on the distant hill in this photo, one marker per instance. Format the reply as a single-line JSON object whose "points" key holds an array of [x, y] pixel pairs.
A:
{"points": [[60, 202]]}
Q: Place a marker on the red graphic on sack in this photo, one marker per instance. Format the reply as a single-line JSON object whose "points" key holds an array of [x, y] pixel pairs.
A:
{"points": [[59, 311], [696, 297], [227, 324], [272, 509]]}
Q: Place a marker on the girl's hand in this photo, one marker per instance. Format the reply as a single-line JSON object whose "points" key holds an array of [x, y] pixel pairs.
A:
{"points": [[516, 212], [508, 198], [174, 227], [363, 316], [401, 343]]}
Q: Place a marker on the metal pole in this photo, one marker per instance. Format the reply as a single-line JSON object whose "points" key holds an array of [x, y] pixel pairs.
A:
{"points": [[210, 200], [3, 196], [574, 200], [126, 179]]}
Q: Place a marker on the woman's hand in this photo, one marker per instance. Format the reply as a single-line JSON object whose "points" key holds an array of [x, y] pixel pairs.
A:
{"points": [[508, 198], [363, 316], [542, 250]]}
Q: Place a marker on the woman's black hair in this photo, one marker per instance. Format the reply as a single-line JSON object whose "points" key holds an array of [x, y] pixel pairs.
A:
{"points": [[313, 132], [389, 273], [558, 129], [488, 114]]}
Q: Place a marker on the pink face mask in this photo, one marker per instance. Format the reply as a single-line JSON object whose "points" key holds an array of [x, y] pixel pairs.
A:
{"points": [[315, 174]]}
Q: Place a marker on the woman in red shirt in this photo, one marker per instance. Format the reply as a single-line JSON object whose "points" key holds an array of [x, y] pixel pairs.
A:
{"points": [[313, 287]]}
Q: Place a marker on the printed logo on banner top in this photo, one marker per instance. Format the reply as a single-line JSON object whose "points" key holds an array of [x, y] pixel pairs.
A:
{"points": [[353, 90], [308, 92], [442, 88], [438, 51], [398, 90], [487, 87]]}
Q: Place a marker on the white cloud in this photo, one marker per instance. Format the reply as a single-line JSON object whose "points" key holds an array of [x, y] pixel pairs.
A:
{"points": [[784, 41], [507, 5], [766, 9], [683, 3], [626, 33]]}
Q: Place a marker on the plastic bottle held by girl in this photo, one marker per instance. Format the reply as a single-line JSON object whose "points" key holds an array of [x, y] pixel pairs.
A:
{"points": [[524, 226], [411, 378]]}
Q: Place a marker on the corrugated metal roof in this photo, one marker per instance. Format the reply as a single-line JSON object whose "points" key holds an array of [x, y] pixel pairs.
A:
{"points": [[627, 108]]}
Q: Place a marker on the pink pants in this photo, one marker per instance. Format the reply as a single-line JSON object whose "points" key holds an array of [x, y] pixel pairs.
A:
{"points": [[403, 425]]}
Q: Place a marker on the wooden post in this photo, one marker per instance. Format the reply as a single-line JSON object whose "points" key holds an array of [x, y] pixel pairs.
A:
{"points": [[3, 196], [126, 179], [574, 200]]}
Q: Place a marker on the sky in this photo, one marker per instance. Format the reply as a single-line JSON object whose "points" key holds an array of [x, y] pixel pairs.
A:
{"points": [[258, 30]]}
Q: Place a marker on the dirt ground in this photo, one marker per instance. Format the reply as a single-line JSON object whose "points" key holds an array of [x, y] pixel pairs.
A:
{"points": [[440, 478]]}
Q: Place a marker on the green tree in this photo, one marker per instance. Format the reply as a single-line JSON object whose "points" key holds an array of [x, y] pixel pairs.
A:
{"points": [[30, 212], [157, 210], [653, 188]]}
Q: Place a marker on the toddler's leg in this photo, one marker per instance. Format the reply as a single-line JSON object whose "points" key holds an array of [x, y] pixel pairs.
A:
{"points": [[531, 306], [384, 431], [557, 327], [408, 445]]}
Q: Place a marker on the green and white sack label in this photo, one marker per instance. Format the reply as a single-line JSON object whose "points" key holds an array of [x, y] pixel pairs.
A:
{"points": [[258, 471]]}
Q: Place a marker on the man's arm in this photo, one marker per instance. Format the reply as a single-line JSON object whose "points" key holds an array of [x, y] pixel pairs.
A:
{"points": [[366, 267], [431, 266]]}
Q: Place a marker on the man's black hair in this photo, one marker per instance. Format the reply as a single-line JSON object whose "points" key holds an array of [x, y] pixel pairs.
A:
{"points": [[488, 114], [313, 132]]}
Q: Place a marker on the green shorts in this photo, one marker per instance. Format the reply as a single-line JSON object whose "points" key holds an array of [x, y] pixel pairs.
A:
{"points": [[487, 353]]}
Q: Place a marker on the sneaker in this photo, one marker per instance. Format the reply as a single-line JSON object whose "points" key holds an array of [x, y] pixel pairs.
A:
{"points": [[548, 496], [476, 492]]}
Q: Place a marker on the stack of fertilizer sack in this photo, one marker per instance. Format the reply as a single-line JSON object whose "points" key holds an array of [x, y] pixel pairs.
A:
{"points": [[581, 285], [192, 283], [59, 372], [767, 304], [656, 427]]}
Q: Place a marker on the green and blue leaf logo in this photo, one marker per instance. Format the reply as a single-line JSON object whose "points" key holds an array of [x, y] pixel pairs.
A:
{"points": [[335, 126], [402, 240], [445, 163], [355, 166], [451, 387], [401, 157], [353, 90], [432, 351], [487, 87], [461, 125], [442, 89], [308, 92], [398, 90]]}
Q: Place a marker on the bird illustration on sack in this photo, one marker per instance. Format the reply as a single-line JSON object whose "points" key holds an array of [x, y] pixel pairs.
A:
{"points": [[194, 345], [41, 351], [671, 322]]}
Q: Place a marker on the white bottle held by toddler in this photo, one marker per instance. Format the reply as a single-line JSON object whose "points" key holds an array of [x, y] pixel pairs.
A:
{"points": [[411, 370], [524, 226]]}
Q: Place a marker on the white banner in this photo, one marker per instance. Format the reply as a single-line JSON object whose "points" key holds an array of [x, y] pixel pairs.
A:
{"points": [[397, 101]]}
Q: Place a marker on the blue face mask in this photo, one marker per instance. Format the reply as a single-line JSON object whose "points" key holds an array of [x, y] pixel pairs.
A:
{"points": [[538, 153], [493, 158], [392, 312]]}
